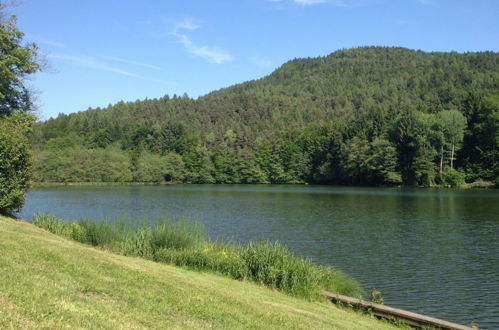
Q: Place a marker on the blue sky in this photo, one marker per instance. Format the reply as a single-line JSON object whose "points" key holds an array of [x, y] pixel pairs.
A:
{"points": [[103, 51]]}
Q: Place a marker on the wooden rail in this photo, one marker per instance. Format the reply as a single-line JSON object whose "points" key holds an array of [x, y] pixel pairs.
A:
{"points": [[383, 311]]}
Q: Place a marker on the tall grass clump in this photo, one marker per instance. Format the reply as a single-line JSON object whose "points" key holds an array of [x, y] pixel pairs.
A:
{"points": [[182, 243], [52, 224], [273, 265], [179, 235], [137, 243]]}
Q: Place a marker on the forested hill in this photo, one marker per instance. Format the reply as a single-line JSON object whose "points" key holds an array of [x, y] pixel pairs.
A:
{"points": [[372, 115]]}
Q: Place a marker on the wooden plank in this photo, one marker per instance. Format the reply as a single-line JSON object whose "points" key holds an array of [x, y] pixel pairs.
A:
{"points": [[383, 311]]}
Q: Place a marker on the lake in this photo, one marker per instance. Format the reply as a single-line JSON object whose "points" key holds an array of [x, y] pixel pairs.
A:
{"points": [[432, 251]]}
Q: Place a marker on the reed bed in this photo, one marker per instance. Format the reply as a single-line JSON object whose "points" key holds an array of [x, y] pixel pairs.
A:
{"points": [[183, 243]]}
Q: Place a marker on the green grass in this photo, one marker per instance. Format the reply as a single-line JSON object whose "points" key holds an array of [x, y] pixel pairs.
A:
{"points": [[47, 281], [183, 243]]}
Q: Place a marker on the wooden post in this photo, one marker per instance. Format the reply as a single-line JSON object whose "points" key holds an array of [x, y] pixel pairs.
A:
{"points": [[383, 311]]}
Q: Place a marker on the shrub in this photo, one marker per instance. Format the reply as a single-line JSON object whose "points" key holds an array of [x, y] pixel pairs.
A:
{"points": [[15, 161], [454, 177]]}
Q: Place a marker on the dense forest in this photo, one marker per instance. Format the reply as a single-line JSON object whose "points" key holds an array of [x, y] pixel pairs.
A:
{"points": [[362, 116]]}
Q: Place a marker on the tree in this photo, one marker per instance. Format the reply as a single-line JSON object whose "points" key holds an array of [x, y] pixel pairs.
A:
{"points": [[406, 144], [16, 62], [453, 126], [480, 150]]}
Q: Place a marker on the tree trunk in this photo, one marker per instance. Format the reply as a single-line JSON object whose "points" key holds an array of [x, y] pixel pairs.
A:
{"points": [[452, 157], [441, 159]]}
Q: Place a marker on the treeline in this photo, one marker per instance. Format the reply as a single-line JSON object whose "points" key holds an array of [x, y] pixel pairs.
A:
{"points": [[364, 116]]}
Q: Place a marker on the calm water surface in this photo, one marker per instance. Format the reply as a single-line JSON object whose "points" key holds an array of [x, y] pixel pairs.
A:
{"points": [[431, 251]]}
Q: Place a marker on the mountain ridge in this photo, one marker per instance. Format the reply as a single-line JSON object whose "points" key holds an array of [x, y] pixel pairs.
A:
{"points": [[353, 93]]}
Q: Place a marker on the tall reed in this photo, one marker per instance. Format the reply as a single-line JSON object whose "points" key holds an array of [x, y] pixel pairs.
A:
{"points": [[183, 243]]}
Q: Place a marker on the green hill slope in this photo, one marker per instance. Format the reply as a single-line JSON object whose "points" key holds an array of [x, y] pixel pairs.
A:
{"points": [[50, 282], [372, 115]]}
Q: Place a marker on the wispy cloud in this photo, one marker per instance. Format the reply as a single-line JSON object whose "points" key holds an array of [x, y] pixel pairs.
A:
{"points": [[260, 61], [337, 3], [302, 2], [45, 41], [93, 63], [426, 2], [308, 2], [187, 24], [213, 54], [142, 64]]}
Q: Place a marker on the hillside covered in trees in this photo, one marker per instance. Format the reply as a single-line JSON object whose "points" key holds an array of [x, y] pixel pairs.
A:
{"points": [[362, 116]]}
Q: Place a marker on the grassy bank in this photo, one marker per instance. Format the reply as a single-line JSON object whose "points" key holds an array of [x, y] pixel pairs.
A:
{"points": [[48, 281], [183, 243]]}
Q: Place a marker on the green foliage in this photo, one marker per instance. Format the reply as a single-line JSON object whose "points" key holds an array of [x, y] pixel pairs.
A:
{"points": [[82, 165], [52, 224], [16, 63], [138, 243], [156, 168], [365, 116], [183, 243], [376, 297], [480, 152], [425, 141], [453, 178], [15, 161], [178, 235], [372, 163]]}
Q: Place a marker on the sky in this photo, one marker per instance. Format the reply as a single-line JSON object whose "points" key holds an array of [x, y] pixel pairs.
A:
{"points": [[99, 52]]}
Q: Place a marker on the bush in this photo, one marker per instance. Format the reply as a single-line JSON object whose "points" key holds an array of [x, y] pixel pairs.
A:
{"points": [[15, 161], [454, 178]]}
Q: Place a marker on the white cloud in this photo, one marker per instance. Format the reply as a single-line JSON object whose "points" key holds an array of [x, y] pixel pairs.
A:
{"points": [[122, 60], [212, 54], [45, 41]]}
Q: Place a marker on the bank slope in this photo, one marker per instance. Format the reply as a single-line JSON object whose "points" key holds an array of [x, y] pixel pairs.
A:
{"points": [[50, 282]]}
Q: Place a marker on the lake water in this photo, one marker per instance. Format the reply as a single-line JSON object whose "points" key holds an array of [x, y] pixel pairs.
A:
{"points": [[430, 251]]}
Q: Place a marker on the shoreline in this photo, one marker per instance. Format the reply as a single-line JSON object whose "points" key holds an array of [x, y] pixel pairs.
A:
{"points": [[466, 186]]}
